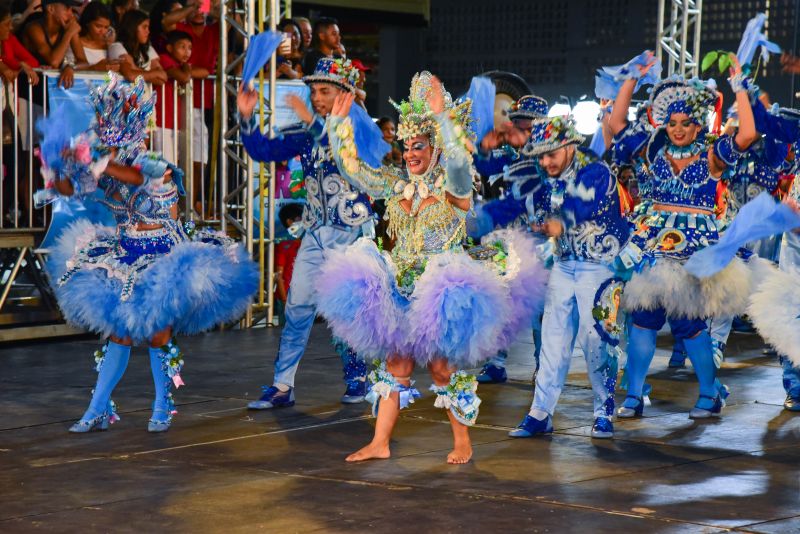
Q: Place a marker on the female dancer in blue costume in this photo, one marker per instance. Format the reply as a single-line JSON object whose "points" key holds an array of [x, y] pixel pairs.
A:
{"points": [[683, 170], [429, 303], [150, 278]]}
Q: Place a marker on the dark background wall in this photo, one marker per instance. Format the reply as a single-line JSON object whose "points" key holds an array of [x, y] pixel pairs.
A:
{"points": [[556, 45]]}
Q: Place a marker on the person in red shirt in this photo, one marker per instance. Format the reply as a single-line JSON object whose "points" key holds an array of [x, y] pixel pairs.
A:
{"points": [[205, 32], [176, 62], [14, 58], [286, 251]]}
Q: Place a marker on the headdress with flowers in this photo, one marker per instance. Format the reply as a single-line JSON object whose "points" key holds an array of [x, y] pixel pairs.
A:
{"points": [[339, 72], [694, 97], [123, 111], [416, 117], [550, 134]]}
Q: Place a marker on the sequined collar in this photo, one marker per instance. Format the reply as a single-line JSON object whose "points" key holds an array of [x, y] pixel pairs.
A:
{"points": [[683, 152]]}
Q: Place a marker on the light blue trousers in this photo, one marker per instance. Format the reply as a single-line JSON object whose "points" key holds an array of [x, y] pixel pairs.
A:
{"points": [[301, 302], [568, 319]]}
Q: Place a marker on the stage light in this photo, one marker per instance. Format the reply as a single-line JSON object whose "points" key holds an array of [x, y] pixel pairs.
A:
{"points": [[559, 110], [586, 114]]}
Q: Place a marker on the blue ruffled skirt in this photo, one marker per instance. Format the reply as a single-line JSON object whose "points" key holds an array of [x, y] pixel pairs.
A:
{"points": [[137, 283], [459, 308]]}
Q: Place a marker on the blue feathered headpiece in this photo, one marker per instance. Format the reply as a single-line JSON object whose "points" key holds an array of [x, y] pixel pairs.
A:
{"points": [[123, 111]]}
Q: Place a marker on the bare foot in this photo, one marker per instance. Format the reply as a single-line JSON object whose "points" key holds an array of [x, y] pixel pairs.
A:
{"points": [[461, 454], [373, 451]]}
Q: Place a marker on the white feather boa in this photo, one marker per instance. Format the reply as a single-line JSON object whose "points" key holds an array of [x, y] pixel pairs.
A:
{"points": [[774, 309], [669, 286]]}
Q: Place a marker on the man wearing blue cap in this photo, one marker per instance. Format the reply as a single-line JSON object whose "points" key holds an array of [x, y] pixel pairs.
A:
{"points": [[336, 214]]}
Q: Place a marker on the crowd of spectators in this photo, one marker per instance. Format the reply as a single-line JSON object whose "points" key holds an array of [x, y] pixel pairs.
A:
{"points": [[173, 44]]}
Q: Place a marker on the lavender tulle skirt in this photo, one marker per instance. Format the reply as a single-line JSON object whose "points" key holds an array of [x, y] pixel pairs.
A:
{"points": [[460, 308]]}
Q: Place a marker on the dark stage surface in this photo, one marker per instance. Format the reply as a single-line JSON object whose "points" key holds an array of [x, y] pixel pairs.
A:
{"points": [[223, 469]]}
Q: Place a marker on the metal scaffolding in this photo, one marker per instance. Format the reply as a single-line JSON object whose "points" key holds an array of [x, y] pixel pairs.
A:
{"points": [[679, 24], [240, 188]]}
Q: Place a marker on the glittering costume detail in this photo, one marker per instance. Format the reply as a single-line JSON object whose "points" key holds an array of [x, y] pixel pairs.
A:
{"points": [[354, 368], [459, 396], [666, 237], [123, 111], [111, 410], [428, 298], [331, 199], [131, 282], [171, 364], [382, 384], [416, 117]]}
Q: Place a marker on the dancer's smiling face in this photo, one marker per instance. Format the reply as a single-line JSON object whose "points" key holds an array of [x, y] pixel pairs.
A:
{"points": [[418, 154], [681, 130]]}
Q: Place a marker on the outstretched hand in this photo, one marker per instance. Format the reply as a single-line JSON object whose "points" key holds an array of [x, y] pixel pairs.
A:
{"points": [[735, 68], [436, 96], [651, 60], [299, 107], [342, 104], [246, 100]]}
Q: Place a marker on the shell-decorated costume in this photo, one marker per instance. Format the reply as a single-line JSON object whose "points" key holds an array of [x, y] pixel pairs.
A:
{"points": [[429, 298]]}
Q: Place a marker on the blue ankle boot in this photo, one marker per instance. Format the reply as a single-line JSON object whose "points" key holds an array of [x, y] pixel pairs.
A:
{"points": [[603, 428], [273, 398], [631, 407], [355, 376], [707, 407]]}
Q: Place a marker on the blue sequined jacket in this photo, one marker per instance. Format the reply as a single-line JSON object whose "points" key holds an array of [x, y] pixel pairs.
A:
{"points": [[331, 199], [585, 197], [523, 178]]}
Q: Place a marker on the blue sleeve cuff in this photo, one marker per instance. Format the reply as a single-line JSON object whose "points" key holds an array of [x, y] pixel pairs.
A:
{"points": [[247, 126], [317, 127], [725, 150]]}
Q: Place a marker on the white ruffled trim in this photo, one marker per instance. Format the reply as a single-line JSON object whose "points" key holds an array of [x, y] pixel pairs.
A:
{"points": [[382, 389], [774, 309], [669, 286]]}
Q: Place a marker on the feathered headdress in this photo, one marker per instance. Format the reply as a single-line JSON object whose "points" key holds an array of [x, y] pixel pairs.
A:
{"points": [[123, 111], [416, 117]]}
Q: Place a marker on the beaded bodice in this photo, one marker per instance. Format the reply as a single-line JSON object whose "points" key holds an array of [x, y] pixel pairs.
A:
{"points": [[692, 187], [431, 225], [148, 203]]}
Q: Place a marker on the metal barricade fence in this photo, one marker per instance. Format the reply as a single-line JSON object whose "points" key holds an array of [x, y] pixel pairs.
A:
{"points": [[187, 145], [222, 188]]}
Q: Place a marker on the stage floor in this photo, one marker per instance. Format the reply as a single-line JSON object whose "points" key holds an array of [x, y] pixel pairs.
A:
{"points": [[222, 468]]}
